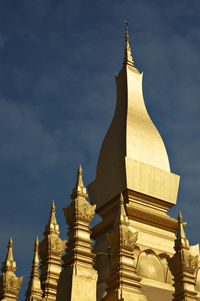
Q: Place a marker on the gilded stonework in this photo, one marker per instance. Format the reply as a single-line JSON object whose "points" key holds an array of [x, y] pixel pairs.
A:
{"points": [[184, 266], [51, 249], [34, 291], [9, 283], [78, 267], [80, 210], [137, 252]]}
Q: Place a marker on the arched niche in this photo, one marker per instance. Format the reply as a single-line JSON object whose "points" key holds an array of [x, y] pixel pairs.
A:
{"points": [[149, 266]]}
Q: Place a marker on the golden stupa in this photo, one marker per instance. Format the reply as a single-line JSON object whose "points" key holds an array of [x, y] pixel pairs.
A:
{"points": [[137, 254]]}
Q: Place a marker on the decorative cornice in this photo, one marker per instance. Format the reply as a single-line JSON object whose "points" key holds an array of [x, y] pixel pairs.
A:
{"points": [[79, 210]]}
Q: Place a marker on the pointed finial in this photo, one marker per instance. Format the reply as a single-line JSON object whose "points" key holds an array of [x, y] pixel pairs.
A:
{"points": [[121, 217], [36, 257], [122, 209], [53, 207], [181, 240], [180, 218], [10, 250], [34, 291], [53, 214], [52, 226], [36, 243], [10, 242], [128, 60], [9, 264], [79, 182], [79, 188]]}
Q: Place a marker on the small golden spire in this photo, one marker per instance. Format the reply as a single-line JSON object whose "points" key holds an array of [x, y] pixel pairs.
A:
{"points": [[10, 283], [79, 188], [36, 258], [9, 264], [34, 285], [53, 214], [128, 60], [121, 217], [10, 250], [181, 240], [52, 226], [122, 209], [79, 181], [180, 218], [35, 265]]}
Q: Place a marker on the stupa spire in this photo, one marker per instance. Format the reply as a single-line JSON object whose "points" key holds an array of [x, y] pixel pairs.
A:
{"points": [[79, 188], [122, 209], [9, 263], [10, 250], [128, 59], [52, 226], [34, 291], [184, 265], [51, 249], [132, 142], [53, 214], [121, 217], [181, 240], [35, 271], [9, 283], [78, 266]]}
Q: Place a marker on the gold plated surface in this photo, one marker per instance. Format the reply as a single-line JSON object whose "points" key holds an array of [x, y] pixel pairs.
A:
{"points": [[139, 253], [34, 291], [133, 155], [78, 280], [9, 283]]}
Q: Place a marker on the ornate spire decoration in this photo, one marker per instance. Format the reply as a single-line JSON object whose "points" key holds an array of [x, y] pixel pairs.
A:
{"points": [[9, 283], [183, 265], [123, 283], [34, 291], [78, 267], [128, 60], [51, 249]]}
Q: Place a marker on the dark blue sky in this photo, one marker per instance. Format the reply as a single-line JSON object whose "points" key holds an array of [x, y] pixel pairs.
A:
{"points": [[57, 97]]}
